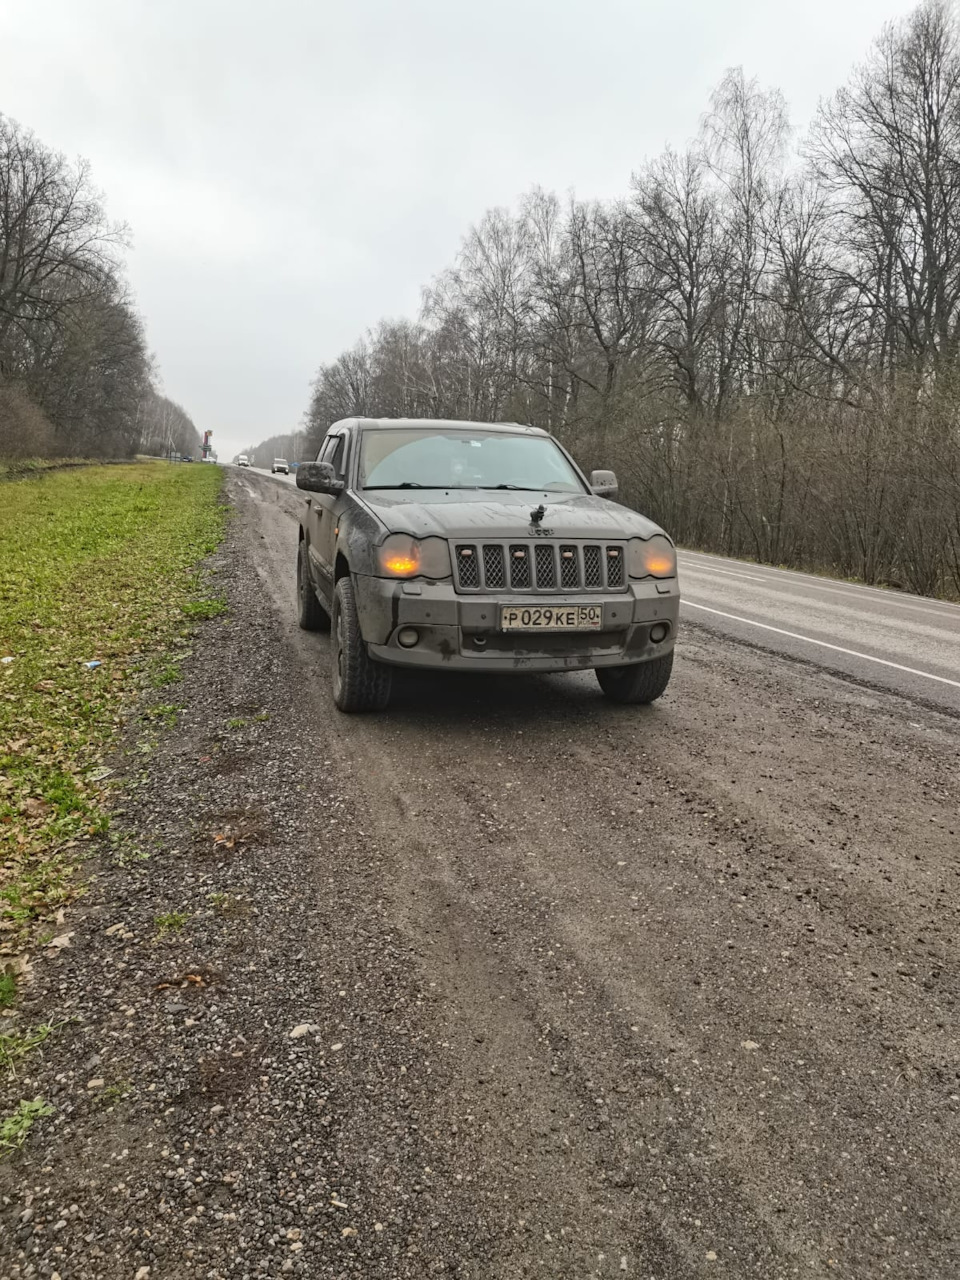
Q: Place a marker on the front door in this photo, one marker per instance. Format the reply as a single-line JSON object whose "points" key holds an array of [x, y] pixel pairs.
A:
{"points": [[321, 526]]}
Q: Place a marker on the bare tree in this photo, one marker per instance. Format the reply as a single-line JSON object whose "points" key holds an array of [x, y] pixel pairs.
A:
{"points": [[767, 351], [73, 355]]}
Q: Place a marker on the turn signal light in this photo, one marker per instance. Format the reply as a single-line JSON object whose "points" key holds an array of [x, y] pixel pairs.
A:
{"points": [[404, 557], [652, 558], [401, 566]]}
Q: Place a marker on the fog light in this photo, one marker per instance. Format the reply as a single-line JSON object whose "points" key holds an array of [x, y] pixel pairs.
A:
{"points": [[408, 637], [659, 632]]}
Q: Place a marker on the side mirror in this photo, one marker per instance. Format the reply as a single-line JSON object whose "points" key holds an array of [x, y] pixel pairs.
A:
{"points": [[604, 484], [318, 477]]}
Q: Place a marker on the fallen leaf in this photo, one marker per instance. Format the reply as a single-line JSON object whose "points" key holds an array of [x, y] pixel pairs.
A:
{"points": [[34, 808], [58, 944], [749, 1045]]}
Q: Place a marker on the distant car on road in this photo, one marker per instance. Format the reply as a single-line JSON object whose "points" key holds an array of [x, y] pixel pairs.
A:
{"points": [[280, 465], [468, 546], [243, 461]]}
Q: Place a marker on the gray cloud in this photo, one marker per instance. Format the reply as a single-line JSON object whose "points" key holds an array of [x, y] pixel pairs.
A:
{"points": [[292, 172]]}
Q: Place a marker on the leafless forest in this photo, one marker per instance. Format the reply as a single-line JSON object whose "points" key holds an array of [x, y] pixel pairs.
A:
{"points": [[75, 374], [760, 336]]}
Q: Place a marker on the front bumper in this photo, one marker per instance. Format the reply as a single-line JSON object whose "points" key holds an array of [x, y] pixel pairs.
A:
{"points": [[462, 632]]}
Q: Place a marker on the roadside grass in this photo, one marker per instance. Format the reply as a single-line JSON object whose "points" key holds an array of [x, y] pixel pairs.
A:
{"points": [[164, 712], [17, 1044], [13, 468], [170, 922], [15, 1127], [114, 1093], [97, 566], [166, 671]]}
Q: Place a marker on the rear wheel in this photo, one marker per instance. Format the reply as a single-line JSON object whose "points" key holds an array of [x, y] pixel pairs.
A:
{"points": [[359, 683], [312, 615], [639, 683]]}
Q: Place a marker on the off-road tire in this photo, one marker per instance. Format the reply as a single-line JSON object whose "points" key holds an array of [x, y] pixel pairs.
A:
{"points": [[639, 683], [311, 614], [359, 683]]}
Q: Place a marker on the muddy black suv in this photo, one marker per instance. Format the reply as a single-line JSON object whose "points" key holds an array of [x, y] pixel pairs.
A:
{"points": [[469, 546]]}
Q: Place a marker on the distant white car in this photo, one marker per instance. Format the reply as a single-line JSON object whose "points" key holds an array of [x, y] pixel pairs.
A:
{"points": [[243, 461], [280, 464]]}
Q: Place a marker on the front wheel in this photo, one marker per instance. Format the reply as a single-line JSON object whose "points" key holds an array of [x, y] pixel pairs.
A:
{"points": [[359, 683], [639, 683]]}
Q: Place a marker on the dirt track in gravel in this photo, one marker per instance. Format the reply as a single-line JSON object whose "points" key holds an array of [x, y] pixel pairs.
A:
{"points": [[665, 993]]}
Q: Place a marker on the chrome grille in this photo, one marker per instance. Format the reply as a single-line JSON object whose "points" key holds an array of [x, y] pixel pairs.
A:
{"points": [[592, 567], [519, 568], [546, 566], [494, 574], [539, 566]]}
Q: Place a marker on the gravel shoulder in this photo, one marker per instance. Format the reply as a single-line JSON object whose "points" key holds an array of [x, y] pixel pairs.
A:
{"points": [[578, 990]]}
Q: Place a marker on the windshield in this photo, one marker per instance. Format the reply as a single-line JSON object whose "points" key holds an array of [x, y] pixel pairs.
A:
{"points": [[432, 458]]}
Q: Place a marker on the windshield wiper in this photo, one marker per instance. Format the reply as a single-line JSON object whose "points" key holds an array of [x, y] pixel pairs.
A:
{"points": [[407, 484], [522, 488]]}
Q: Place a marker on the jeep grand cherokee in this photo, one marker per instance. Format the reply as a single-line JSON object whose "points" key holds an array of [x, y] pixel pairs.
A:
{"points": [[472, 546]]}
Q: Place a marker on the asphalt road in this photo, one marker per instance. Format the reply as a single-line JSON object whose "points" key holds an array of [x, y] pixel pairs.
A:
{"points": [[885, 639], [290, 479]]}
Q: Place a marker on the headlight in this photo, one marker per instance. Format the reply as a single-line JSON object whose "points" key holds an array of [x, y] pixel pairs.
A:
{"points": [[651, 558], [404, 557]]}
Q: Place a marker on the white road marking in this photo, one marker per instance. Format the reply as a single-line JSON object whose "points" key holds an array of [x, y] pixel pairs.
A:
{"points": [[853, 653], [728, 573], [899, 598], [783, 585]]}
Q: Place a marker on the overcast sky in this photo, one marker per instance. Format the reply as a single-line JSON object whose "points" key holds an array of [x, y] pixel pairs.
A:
{"points": [[293, 171]]}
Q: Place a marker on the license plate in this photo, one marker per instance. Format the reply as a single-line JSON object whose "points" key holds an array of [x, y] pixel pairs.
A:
{"points": [[565, 617]]}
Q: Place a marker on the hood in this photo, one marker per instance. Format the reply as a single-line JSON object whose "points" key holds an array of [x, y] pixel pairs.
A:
{"points": [[479, 513]]}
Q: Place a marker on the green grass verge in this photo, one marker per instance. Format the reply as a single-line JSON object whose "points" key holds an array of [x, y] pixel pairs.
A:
{"points": [[96, 565], [16, 468], [15, 1127]]}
